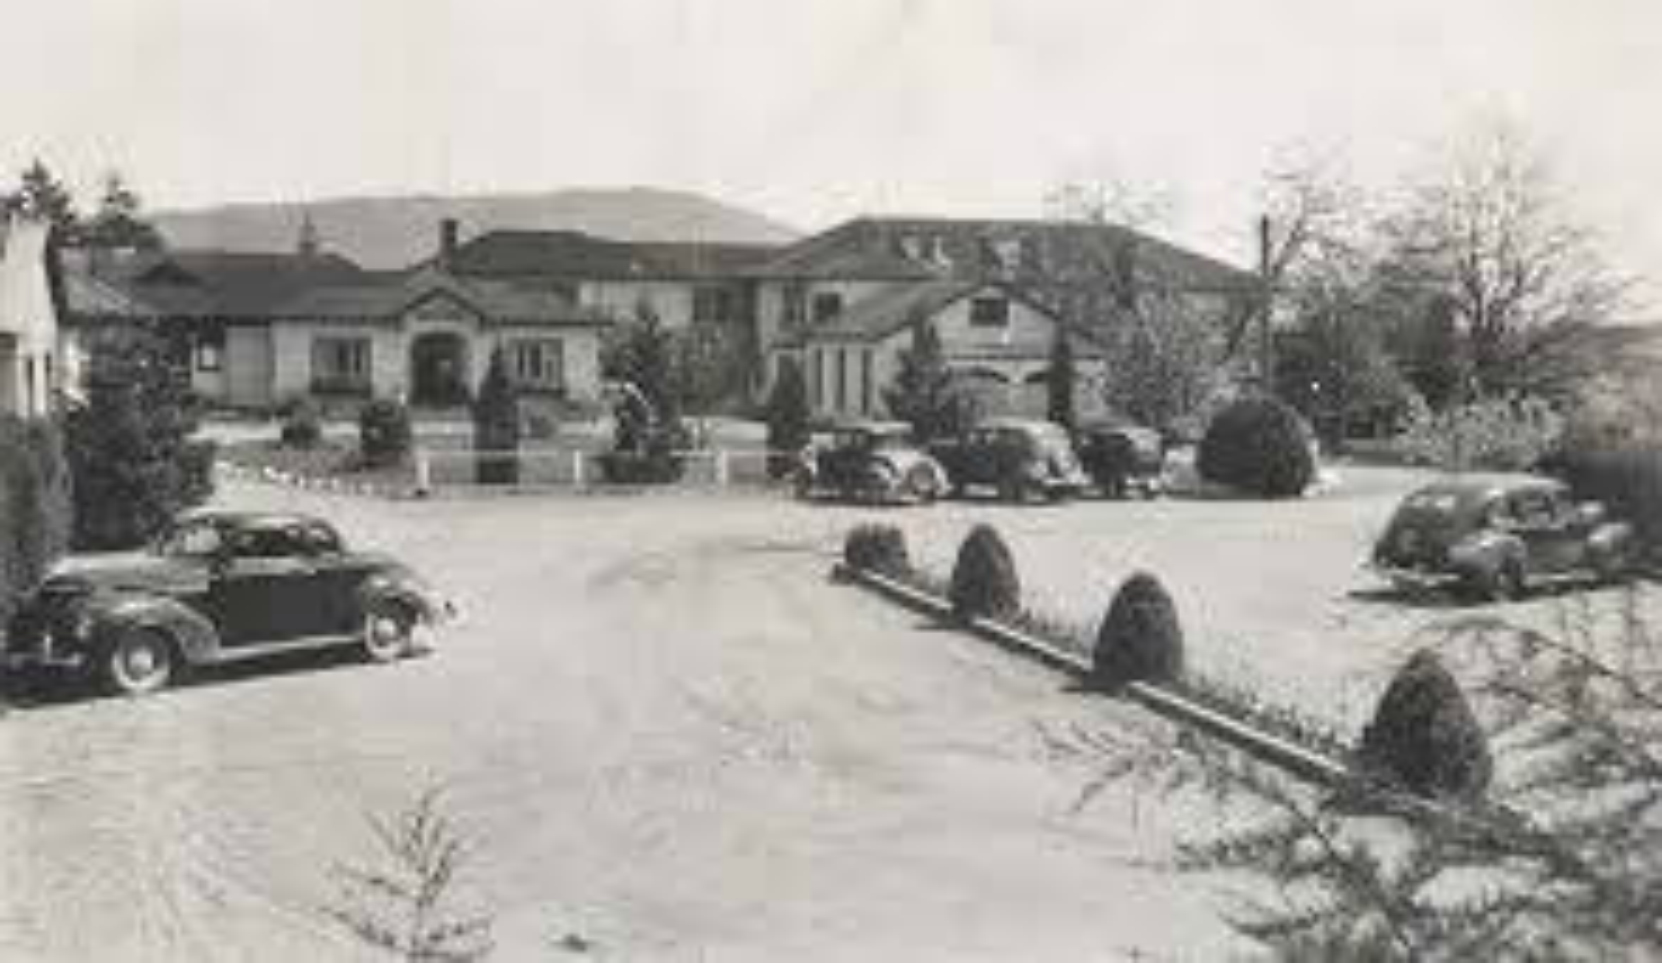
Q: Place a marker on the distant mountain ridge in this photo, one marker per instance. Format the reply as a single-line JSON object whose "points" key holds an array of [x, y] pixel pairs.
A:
{"points": [[395, 231]]}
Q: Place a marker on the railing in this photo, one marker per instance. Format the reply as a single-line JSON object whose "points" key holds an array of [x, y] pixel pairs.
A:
{"points": [[438, 469]]}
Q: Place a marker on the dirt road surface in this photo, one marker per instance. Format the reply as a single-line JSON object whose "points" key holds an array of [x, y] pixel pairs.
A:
{"points": [[663, 732]]}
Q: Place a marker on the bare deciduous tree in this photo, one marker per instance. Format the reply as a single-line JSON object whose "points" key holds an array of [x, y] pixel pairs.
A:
{"points": [[1487, 236]]}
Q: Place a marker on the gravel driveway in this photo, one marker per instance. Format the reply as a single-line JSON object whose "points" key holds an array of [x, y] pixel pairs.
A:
{"points": [[661, 727]]}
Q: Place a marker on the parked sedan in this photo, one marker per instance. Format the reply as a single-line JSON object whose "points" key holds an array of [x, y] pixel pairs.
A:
{"points": [[1122, 459], [870, 461], [1496, 536], [1015, 458], [219, 588]]}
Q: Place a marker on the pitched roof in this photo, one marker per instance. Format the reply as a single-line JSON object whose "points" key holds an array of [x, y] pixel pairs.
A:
{"points": [[899, 306], [230, 284], [1033, 251], [578, 256], [387, 297]]}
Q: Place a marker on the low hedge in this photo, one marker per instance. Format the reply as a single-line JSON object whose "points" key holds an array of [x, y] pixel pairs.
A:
{"points": [[1626, 479], [1424, 737], [984, 579], [1141, 639], [877, 548], [1258, 446]]}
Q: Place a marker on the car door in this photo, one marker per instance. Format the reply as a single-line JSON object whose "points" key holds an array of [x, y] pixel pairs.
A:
{"points": [[265, 590], [1547, 531], [338, 578]]}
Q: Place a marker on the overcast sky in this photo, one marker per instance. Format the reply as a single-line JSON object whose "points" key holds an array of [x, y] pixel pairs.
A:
{"points": [[814, 111]]}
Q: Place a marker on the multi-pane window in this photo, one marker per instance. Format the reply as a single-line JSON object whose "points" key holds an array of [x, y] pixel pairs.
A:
{"points": [[714, 304], [340, 364], [865, 381], [842, 379], [827, 305], [538, 363], [990, 312]]}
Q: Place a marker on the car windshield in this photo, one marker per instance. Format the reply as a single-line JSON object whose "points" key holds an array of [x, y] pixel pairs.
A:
{"points": [[190, 540]]}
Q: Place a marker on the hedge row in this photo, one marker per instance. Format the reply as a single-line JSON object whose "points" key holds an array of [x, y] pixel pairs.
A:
{"points": [[1423, 738], [35, 507], [1628, 480]]}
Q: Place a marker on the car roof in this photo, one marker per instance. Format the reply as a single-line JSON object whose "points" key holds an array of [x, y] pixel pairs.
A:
{"points": [[870, 424], [1489, 485], [252, 520], [1021, 424]]}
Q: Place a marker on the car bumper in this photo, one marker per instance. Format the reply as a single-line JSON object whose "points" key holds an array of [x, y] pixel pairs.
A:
{"points": [[1417, 579]]}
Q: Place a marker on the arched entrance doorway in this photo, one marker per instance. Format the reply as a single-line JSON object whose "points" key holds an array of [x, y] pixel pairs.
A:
{"points": [[439, 370]]}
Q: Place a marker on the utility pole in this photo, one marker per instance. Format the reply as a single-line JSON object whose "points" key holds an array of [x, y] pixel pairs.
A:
{"points": [[1266, 309]]}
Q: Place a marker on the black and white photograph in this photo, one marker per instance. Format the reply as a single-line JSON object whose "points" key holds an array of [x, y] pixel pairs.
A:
{"points": [[932, 481]]}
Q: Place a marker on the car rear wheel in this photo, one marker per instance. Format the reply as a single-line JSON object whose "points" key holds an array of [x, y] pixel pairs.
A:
{"points": [[921, 485], [388, 632], [139, 663], [1613, 566], [1504, 583]]}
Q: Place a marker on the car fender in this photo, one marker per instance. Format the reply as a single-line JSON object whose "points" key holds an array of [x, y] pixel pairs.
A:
{"points": [[192, 632], [1485, 552], [1609, 539], [389, 589]]}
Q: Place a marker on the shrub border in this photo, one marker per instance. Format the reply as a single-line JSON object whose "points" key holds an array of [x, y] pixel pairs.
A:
{"points": [[1283, 753]]}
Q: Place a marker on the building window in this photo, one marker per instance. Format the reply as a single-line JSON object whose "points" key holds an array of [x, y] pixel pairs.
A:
{"points": [[712, 305], [818, 371], [209, 350], [842, 379], [341, 365], [827, 305], [538, 364], [865, 381], [990, 312]]}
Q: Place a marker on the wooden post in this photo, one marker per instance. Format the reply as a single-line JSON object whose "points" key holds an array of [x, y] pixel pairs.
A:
{"points": [[722, 468], [424, 473], [577, 468], [1266, 309]]}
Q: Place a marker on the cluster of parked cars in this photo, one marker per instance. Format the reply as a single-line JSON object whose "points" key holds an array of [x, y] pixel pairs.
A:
{"points": [[1013, 459]]}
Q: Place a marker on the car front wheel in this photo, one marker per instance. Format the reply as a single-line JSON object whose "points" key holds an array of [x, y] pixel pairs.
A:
{"points": [[139, 663], [388, 632]]}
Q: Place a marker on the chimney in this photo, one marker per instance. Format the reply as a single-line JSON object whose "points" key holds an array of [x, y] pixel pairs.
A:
{"points": [[449, 234]]}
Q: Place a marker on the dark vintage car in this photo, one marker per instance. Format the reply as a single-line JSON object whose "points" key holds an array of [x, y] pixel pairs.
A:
{"points": [[1495, 536], [1014, 458], [218, 588], [1123, 460], [870, 461]]}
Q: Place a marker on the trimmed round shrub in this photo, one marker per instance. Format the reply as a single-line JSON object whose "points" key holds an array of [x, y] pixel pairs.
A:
{"points": [[877, 548], [384, 432], [1424, 737], [984, 580], [1259, 446], [302, 425], [1141, 639]]}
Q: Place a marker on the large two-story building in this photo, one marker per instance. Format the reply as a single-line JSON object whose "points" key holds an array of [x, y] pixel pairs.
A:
{"points": [[842, 304], [258, 329]]}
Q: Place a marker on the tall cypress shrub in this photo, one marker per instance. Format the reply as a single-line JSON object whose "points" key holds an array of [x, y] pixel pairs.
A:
{"points": [[132, 458], [496, 427]]}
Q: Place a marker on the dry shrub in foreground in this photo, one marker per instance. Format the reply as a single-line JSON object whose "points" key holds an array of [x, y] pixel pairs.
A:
{"points": [[984, 580], [1141, 639], [1562, 860], [403, 904]]}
